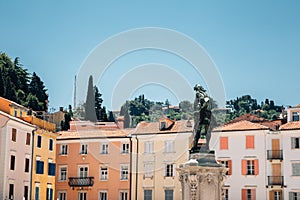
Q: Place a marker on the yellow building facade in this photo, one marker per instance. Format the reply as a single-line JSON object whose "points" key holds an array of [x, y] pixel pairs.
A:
{"points": [[43, 165]]}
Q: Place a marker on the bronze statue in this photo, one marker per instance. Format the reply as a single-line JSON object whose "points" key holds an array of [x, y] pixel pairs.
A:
{"points": [[202, 117]]}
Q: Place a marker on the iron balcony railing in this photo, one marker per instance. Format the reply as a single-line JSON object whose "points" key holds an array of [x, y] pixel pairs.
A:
{"points": [[275, 180], [274, 155], [81, 182]]}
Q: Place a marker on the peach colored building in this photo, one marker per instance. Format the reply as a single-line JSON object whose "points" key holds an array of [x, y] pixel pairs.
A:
{"points": [[93, 164]]}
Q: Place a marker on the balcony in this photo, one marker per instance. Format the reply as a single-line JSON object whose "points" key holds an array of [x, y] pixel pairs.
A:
{"points": [[274, 155], [81, 182], [275, 180]]}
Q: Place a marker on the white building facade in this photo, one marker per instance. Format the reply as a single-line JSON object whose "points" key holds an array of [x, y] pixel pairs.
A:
{"points": [[16, 155]]}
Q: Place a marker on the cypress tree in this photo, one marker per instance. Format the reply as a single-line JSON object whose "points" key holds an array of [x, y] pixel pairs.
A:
{"points": [[90, 113]]}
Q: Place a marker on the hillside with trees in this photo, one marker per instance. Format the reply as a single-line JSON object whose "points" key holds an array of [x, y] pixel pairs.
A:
{"points": [[18, 85], [246, 104]]}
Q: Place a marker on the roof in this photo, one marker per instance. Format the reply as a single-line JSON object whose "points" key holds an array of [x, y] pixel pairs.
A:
{"points": [[153, 127], [16, 119], [290, 126], [94, 134], [240, 126], [248, 117]]}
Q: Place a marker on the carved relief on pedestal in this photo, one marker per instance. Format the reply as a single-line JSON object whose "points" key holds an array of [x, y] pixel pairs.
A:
{"points": [[193, 182]]}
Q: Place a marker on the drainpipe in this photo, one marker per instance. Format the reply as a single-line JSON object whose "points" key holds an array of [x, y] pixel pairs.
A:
{"points": [[130, 180], [32, 151], [5, 156], [137, 168]]}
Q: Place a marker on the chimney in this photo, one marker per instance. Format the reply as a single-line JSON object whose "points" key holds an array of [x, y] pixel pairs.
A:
{"points": [[120, 122]]}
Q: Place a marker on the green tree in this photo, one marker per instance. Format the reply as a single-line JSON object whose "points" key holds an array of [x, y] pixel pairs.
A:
{"points": [[111, 117]]}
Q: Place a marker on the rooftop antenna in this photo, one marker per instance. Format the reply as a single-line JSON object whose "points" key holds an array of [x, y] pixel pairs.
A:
{"points": [[74, 99]]}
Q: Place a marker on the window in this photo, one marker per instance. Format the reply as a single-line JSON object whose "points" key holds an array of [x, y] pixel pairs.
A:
{"points": [[147, 194], [39, 167], [102, 195], [62, 196], [26, 192], [12, 162], [84, 149], [83, 172], [226, 194], [103, 173], [228, 165], [168, 194], [124, 172], [295, 116], [277, 195], [39, 141], [123, 195], [294, 195], [63, 149], [148, 170], [82, 196], [149, 147], [51, 145], [21, 113], [296, 169], [104, 149], [162, 125], [28, 137], [11, 191], [37, 193], [169, 170], [51, 169], [49, 194], [250, 167], [14, 135], [223, 143], [295, 143], [62, 176], [169, 146], [248, 194], [27, 164], [249, 141], [15, 113], [125, 148]]}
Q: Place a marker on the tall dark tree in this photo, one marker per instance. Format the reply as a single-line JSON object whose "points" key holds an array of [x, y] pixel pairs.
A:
{"points": [[103, 114], [37, 88], [98, 105], [90, 112], [111, 117]]}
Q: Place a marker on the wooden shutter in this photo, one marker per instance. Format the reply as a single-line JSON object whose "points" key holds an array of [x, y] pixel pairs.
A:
{"points": [[244, 167], [244, 194], [223, 143], [229, 167], [256, 170], [271, 195], [249, 141], [253, 194]]}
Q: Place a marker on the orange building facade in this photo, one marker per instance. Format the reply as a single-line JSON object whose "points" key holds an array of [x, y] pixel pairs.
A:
{"points": [[93, 164]]}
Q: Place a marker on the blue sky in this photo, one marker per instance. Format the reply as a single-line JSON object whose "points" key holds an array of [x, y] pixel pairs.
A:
{"points": [[254, 44]]}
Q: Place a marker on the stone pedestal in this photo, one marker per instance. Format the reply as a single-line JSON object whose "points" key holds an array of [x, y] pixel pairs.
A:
{"points": [[202, 178]]}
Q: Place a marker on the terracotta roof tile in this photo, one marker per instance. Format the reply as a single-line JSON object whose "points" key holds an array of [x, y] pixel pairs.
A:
{"points": [[153, 127], [94, 134], [290, 126], [248, 117], [240, 126]]}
